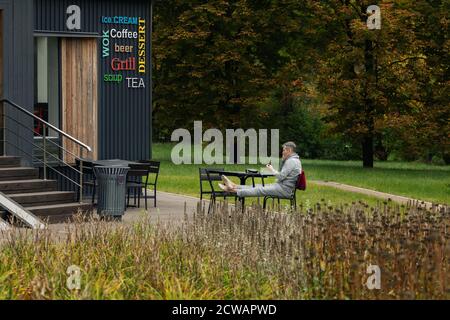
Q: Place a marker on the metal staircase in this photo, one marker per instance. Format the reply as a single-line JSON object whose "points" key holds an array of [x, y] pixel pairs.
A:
{"points": [[26, 198]]}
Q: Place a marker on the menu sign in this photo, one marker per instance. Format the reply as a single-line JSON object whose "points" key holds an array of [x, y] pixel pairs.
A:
{"points": [[129, 57]]}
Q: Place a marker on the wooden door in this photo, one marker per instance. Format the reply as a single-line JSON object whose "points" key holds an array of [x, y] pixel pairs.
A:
{"points": [[79, 94]]}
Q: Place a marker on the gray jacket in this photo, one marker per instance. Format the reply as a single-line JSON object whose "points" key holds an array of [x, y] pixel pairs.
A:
{"points": [[289, 172]]}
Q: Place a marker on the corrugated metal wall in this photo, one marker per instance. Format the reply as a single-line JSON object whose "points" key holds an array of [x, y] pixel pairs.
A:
{"points": [[64, 183], [18, 66], [124, 113]]}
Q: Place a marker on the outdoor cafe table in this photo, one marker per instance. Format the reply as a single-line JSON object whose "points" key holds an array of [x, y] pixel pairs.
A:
{"points": [[243, 176], [109, 162]]}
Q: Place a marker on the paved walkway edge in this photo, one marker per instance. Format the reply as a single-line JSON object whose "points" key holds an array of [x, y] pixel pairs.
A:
{"points": [[369, 192], [346, 187]]}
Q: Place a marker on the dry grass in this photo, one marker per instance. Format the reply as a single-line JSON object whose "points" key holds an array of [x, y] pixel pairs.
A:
{"points": [[317, 253]]}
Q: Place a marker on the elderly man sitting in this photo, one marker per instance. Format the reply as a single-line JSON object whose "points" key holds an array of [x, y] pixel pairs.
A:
{"points": [[291, 168]]}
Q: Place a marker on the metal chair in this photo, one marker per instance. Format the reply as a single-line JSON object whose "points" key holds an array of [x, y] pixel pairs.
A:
{"points": [[215, 194], [89, 179], [154, 167], [253, 178], [204, 177], [292, 198], [135, 177], [254, 171]]}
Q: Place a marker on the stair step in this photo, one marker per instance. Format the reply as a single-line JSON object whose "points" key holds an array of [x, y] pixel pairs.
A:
{"points": [[7, 162], [28, 186], [18, 173], [43, 198], [37, 196], [59, 213]]}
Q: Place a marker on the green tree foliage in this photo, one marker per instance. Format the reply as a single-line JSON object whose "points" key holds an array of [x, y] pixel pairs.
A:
{"points": [[433, 124], [214, 60], [255, 63], [300, 124], [356, 71]]}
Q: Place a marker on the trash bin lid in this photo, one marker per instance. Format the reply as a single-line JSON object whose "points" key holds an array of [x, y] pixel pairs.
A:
{"points": [[111, 170]]}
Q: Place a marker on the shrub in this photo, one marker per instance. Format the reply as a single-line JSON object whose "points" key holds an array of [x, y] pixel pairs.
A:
{"points": [[320, 252]]}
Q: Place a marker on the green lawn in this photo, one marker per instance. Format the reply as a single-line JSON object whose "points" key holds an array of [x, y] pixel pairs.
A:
{"points": [[396, 178], [415, 180], [185, 180]]}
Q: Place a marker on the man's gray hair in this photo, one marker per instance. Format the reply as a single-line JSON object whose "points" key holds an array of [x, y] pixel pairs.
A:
{"points": [[291, 145]]}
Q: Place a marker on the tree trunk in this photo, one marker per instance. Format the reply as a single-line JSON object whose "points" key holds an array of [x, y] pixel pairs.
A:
{"points": [[380, 151], [367, 149], [446, 158], [367, 143]]}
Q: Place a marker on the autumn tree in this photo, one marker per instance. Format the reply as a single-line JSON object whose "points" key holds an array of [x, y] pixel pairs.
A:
{"points": [[215, 60], [386, 90], [370, 77], [433, 123]]}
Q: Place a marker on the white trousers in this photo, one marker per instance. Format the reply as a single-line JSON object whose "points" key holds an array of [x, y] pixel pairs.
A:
{"points": [[276, 190]]}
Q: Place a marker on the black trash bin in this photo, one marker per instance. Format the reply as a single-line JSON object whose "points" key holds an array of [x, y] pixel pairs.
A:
{"points": [[112, 183]]}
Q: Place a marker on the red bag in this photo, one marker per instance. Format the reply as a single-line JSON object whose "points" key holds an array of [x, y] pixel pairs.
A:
{"points": [[301, 181]]}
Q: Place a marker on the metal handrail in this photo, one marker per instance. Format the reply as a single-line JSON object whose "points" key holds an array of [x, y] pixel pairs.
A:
{"points": [[40, 148], [46, 125], [81, 144], [54, 170], [40, 136]]}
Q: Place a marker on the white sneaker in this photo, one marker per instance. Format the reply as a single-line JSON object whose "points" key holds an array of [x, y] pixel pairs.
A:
{"points": [[227, 181], [224, 188]]}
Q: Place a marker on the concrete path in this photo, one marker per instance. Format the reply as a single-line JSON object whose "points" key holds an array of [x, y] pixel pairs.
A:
{"points": [[378, 194], [171, 209]]}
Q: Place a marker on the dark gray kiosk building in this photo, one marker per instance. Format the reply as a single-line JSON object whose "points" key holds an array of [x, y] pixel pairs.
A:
{"points": [[75, 83]]}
